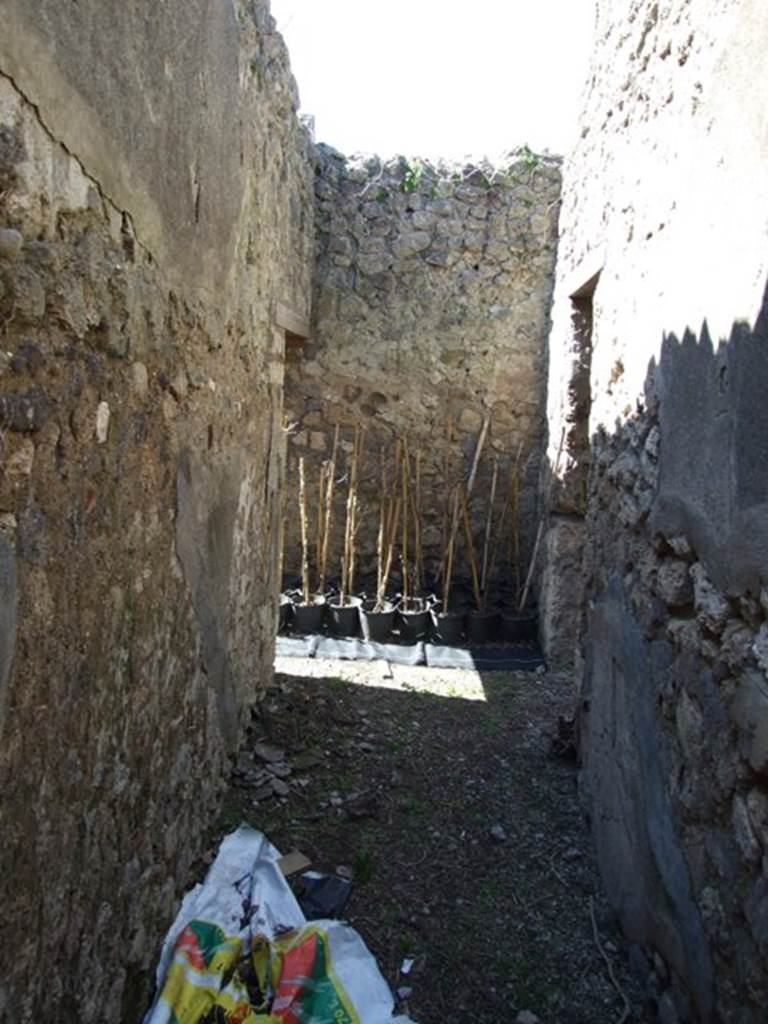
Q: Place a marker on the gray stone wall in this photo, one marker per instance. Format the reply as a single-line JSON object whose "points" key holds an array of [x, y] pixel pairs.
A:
{"points": [[660, 520], [432, 297], [155, 203]]}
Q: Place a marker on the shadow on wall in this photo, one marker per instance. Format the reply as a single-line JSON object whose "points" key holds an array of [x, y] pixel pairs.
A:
{"points": [[674, 697]]}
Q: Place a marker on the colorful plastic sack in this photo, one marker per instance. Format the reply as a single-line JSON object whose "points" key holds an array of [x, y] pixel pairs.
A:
{"points": [[240, 952]]}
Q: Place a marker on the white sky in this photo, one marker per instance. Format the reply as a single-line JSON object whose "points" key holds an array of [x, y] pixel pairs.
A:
{"points": [[438, 77]]}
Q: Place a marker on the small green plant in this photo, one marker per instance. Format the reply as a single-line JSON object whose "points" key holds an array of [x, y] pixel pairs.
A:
{"points": [[528, 158], [382, 195], [363, 867], [412, 176]]}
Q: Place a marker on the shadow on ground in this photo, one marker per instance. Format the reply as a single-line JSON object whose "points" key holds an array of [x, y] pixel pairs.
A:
{"points": [[441, 794]]}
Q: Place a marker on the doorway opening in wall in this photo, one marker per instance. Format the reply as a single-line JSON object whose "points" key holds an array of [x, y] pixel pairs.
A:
{"points": [[579, 386]]}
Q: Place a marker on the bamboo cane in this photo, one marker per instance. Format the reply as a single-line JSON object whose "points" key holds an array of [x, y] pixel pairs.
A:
{"points": [[449, 562], [347, 561], [418, 564], [404, 549], [473, 470], [355, 526], [503, 518], [390, 530], [281, 552], [488, 528], [540, 529], [345, 551], [515, 534], [446, 497], [380, 540], [478, 450], [471, 551], [304, 533], [390, 554], [320, 515], [330, 481]]}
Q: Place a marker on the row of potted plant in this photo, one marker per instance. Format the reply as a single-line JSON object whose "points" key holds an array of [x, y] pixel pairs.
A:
{"points": [[418, 619], [399, 553]]}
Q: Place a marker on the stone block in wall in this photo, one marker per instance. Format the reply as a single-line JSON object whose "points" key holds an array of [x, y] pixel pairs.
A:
{"points": [[140, 451], [639, 849], [750, 713], [419, 330], [673, 583], [562, 587]]}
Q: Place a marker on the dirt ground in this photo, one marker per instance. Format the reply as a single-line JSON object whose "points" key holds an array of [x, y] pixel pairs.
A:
{"points": [[441, 794]]}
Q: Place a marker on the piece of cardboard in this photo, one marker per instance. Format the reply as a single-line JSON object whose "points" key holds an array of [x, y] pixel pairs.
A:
{"points": [[293, 862]]}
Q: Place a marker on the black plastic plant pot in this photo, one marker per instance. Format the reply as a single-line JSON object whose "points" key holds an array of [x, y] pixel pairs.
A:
{"points": [[482, 627], [414, 625], [285, 614], [377, 626], [447, 627], [344, 619], [309, 618], [521, 627]]}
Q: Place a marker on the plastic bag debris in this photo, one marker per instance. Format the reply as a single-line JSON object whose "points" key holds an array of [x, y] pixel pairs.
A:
{"points": [[240, 950], [322, 895]]}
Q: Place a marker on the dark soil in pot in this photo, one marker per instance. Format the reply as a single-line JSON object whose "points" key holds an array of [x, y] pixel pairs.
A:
{"points": [[309, 618], [285, 613], [521, 627], [377, 626], [482, 627], [345, 619], [447, 627]]}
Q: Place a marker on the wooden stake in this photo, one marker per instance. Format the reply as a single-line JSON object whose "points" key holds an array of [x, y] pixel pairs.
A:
{"points": [[542, 520], [380, 541], [446, 497], [348, 558], [357, 458], [390, 555], [503, 517], [449, 559], [471, 551], [418, 562], [304, 533], [390, 530], [405, 473], [488, 527], [473, 470], [515, 508], [320, 515], [328, 514], [478, 451], [281, 552]]}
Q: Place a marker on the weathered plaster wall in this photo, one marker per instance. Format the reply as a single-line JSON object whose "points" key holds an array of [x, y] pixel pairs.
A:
{"points": [[155, 202], [665, 195], [432, 296]]}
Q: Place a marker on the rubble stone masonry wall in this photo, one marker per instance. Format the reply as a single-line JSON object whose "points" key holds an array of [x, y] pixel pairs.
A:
{"points": [[155, 203], [657, 552], [431, 306]]}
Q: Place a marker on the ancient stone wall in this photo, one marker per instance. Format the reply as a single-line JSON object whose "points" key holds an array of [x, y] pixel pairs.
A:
{"points": [[431, 297], [155, 203], [657, 552]]}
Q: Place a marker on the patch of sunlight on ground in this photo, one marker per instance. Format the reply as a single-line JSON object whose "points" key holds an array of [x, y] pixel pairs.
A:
{"points": [[462, 683]]}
